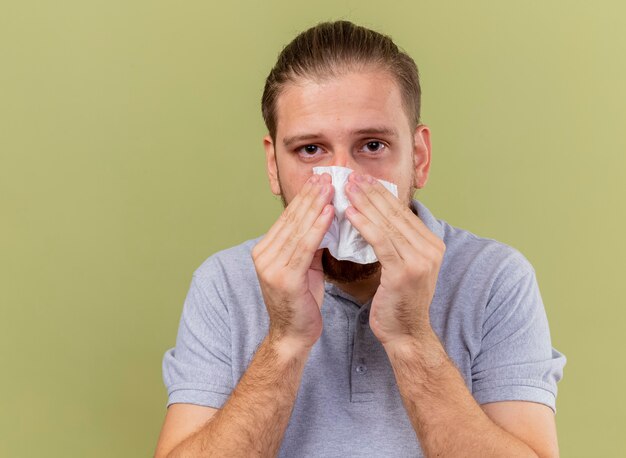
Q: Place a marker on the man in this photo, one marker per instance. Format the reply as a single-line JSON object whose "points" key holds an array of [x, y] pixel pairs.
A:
{"points": [[440, 348]]}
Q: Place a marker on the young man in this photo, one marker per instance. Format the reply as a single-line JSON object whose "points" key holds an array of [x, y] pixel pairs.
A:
{"points": [[440, 348]]}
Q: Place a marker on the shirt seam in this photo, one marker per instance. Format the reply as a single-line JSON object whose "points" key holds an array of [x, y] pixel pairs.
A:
{"points": [[188, 386], [490, 384]]}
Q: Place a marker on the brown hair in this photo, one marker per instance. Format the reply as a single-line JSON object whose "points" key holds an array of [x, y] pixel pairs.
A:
{"points": [[331, 48]]}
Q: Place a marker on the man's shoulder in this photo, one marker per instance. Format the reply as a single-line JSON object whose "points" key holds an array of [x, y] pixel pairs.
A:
{"points": [[470, 253], [235, 260], [467, 251]]}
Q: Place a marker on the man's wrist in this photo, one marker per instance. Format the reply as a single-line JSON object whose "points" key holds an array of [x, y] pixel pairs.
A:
{"points": [[427, 348], [287, 348]]}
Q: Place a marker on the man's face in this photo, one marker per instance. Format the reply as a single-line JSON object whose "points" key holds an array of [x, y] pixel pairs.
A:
{"points": [[356, 120]]}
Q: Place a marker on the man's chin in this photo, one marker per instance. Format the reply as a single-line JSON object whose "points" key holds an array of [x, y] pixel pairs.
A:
{"points": [[347, 271]]}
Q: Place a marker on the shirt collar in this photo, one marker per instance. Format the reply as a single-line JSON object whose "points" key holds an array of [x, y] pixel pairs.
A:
{"points": [[428, 218]]}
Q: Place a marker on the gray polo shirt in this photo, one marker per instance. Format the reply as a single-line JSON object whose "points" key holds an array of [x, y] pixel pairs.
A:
{"points": [[487, 311]]}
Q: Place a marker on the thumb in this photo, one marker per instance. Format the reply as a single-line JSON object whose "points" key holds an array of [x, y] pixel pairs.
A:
{"points": [[316, 263]]}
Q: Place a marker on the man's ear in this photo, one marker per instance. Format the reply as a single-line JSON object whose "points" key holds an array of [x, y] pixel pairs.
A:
{"points": [[421, 155], [271, 166]]}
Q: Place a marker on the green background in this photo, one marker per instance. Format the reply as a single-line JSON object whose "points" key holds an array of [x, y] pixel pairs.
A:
{"points": [[130, 150]]}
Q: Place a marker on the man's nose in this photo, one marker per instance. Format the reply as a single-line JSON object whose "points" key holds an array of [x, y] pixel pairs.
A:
{"points": [[343, 158]]}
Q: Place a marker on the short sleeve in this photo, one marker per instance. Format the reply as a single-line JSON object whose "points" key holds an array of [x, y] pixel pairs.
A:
{"points": [[198, 369], [516, 360]]}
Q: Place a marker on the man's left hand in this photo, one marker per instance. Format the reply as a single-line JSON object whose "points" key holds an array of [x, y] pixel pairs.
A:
{"points": [[410, 256]]}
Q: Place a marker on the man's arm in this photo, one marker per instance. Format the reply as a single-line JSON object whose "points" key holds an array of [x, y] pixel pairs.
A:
{"points": [[447, 419], [530, 421], [181, 421], [289, 268], [254, 419]]}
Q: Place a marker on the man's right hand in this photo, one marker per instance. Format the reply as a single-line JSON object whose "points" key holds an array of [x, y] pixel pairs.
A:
{"points": [[289, 264]]}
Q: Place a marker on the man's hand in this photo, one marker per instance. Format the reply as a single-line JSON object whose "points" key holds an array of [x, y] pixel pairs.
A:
{"points": [[410, 256], [289, 264]]}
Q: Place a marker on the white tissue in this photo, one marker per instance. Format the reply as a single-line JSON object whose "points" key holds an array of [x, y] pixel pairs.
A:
{"points": [[342, 239]]}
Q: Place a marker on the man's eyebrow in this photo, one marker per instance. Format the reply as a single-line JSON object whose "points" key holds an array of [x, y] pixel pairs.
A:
{"points": [[288, 141], [386, 131]]}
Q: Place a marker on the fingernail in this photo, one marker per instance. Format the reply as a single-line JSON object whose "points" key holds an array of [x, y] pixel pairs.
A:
{"points": [[358, 177], [315, 178], [353, 188], [370, 179]]}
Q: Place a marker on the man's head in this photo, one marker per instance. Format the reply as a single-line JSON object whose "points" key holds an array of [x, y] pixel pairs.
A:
{"points": [[334, 48], [345, 95]]}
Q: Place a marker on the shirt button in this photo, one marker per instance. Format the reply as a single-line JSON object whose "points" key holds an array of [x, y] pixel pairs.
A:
{"points": [[361, 369]]}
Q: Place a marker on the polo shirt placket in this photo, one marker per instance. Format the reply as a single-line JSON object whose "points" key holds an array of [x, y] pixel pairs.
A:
{"points": [[362, 373], [367, 358]]}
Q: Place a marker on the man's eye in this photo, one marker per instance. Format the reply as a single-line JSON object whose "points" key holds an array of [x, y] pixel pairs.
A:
{"points": [[309, 150], [373, 146]]}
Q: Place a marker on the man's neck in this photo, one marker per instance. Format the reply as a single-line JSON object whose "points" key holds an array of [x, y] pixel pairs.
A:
{"points": [[361, 290]]}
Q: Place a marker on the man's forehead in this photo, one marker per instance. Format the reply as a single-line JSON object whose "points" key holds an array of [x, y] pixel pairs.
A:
{"points": [[358, 87], [352, 104]]}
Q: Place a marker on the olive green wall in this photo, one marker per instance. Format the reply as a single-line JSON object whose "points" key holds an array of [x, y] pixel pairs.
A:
{"points": [[130, 150]]}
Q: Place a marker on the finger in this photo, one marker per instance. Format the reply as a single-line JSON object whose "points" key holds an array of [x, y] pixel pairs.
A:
{"points": [[392, 228], [299, 222], [300, 202], [417, 223], [287, 241], [271, 233], [384, 249], [316, 262], [307, 247], [392, 209]]}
